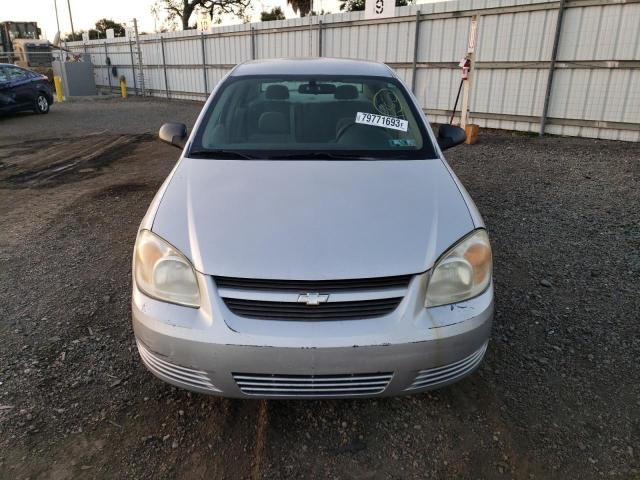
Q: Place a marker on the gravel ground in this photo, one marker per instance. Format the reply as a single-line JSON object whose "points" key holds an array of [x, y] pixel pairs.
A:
{"points": [[557, 396], [102, 115]]}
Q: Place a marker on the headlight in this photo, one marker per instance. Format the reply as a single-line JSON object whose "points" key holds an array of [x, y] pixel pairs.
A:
{"points": [[463, 272], [162, 272]]}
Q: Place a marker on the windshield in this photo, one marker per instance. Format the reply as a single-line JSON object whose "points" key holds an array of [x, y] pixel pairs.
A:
{"points": [[337, 117]]}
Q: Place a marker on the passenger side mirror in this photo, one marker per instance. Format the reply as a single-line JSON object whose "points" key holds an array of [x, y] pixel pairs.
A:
{"points": [[174, 134], [450, 136]]}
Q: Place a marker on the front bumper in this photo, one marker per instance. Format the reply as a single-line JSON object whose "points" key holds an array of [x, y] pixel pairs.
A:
{"points": [[211, 350]]}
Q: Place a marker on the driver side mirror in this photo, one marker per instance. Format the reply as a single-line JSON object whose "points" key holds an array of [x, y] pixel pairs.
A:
{"points": [[450, 136], [174, 134]]}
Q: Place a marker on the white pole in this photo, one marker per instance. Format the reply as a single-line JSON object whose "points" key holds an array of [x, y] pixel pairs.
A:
{"points": [[55, 6], [473, 33]]}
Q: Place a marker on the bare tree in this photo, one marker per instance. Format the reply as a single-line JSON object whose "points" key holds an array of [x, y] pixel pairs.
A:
{"points": [[183, 9]]}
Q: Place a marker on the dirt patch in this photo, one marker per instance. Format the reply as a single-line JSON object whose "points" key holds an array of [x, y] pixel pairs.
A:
{"points": [[122, 189], [47, 163]]}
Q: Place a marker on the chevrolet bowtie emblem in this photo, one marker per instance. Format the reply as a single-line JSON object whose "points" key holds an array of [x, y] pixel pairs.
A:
{"points": [[313, 298]]}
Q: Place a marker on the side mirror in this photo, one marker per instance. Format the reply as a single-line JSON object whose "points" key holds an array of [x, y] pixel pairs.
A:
{"points": [[174, 134], [450, 136]]}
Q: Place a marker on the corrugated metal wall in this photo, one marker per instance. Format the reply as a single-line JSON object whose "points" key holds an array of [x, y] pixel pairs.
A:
{"points": [[596, 87]]}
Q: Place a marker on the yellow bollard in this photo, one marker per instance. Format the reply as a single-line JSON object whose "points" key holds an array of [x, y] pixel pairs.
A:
{"points": [[58, 86], [123, 87]]}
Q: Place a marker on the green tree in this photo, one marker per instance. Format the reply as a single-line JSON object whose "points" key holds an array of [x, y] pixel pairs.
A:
{"points": [[73, 38], [275, 14], [301, 7], [104, 24], [93, 35], [183, 9], [358, 5]]}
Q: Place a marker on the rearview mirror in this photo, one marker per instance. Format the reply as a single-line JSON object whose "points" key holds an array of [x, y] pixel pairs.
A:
{"points": [[313, 88], [450, 136], [174, 134]]}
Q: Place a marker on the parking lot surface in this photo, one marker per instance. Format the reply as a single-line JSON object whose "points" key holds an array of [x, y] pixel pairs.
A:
{"points": [[557, 396]]}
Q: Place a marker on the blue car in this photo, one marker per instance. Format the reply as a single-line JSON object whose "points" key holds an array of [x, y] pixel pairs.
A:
{"points": [[22, 89]]}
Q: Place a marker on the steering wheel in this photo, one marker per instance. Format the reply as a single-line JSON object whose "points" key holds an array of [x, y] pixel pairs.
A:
{"points": [[372, 136], [343, 130]]}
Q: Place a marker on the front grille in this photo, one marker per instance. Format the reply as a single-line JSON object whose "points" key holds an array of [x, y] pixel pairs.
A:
{"points": [[176, 374], [353, 310], [312, 385], [434, 377], [320, 286]]}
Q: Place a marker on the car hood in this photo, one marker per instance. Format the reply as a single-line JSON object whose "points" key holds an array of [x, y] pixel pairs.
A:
{"points": [[312, 219]]}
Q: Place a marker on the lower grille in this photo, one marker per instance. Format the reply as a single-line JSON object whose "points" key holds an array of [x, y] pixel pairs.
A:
{"points": [[326, 311], [433, 377], [312, 385], [172, 373]]}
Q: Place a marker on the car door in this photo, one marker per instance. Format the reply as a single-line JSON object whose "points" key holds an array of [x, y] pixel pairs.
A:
{"points": [[7, 99], [20, 86]]}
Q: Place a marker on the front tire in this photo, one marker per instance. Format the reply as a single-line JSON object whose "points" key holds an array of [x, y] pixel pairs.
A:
{"points": [[41, 104]]}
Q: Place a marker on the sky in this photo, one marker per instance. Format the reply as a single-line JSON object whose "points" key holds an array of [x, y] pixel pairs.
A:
{"points": [[87, 12]]}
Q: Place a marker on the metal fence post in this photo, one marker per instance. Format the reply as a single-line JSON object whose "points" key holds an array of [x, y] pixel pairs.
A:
{"points": [[319, 38], [310, 15], [106, 57], [204, 67], [416, 45], [164, 68], [552, 67], [140, 66], [253, 44], [133, 67]]}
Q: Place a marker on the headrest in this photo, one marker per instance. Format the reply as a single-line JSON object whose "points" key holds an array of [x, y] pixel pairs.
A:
{"points": [[273, 122], [346, 92], [277, 92]]}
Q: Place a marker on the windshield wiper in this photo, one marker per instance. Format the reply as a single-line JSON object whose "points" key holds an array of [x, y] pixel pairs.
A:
{"points": [[318, 155], [220, 154]]}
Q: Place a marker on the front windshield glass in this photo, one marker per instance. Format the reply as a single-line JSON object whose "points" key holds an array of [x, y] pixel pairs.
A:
{"points": [[288, 116]]}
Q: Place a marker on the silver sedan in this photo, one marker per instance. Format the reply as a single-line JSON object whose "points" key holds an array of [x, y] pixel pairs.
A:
{"points": [[312, 241]]}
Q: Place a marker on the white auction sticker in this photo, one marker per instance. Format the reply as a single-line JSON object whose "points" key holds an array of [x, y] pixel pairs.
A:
{"points": [[382, 121]]}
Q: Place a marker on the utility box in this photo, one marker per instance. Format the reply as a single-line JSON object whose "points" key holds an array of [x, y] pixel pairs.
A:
{"points": [[76, 77]]}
